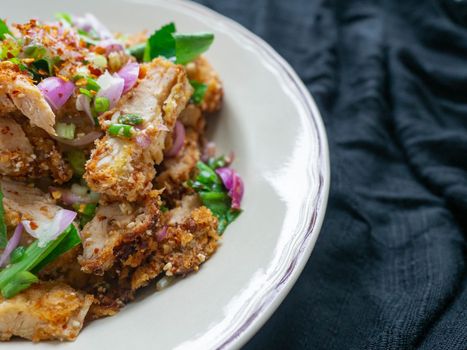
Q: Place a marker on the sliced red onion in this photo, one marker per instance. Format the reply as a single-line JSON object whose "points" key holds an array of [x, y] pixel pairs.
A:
{"points": [[111, 45], [56, 91], [83, 103], [46, 231], [143, 140], [82, 141], [111, 87], [129, 73], [178, 141], [234, 183], [11, 245], [89, 23], [161, 234]]}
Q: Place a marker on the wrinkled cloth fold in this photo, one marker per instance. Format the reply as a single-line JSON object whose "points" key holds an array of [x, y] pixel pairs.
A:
{"points": [[390, 78]]}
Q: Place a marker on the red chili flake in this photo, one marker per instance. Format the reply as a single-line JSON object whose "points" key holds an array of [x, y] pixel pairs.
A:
{"points": [[33, 225]]}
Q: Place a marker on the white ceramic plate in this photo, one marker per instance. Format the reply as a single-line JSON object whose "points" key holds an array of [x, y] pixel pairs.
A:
{"points": [[275, 129]]}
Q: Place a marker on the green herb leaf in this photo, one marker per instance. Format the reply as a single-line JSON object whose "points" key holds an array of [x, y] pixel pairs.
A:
{"points": [[3, 232], [130, 119], [137, 51], [161, 43], [3, 29], [214, 195], [200, 91], [77, 161], [21, 281], [189, 46]]}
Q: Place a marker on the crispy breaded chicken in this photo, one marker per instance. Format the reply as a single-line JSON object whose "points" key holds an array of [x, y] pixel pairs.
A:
{"points": [[49, 159], [24, 202], [121, 168], [26, 97], [113, 227], [16, 153], [45, 311]]}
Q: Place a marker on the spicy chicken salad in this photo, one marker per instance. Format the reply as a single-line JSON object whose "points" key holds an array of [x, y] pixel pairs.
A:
{"points": [[107, 181]]}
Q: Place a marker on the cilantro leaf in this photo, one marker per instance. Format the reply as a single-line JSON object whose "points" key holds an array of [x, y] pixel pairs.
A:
{"points": [[189, 46], [3, 29], [161, 43], [200, 91]]}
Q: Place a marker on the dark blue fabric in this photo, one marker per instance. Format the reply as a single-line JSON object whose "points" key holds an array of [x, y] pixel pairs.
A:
{"points": [[390, 78]]}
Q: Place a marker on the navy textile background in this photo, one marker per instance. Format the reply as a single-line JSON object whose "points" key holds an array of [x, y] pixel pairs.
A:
{"points": [[390, 78]]}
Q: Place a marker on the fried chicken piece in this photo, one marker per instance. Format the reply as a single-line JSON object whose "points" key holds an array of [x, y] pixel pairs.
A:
{"points": [[49, 158], [185, 247], [202, 71], [24, 202], [16, 153], [175, 171], [45, 311], [26, 97], [114, 227], [121, 168]]}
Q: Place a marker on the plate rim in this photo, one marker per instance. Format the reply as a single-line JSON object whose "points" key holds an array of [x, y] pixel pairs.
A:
{"points": [[254, 322]]}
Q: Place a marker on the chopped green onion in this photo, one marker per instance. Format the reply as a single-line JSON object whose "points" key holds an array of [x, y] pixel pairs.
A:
{"points": [[66, 131], [17, 254], [92, 85], [77, 161], [121, 130], [4, 29], [21, 281], [101, 104], [189, 46], [130, 119], [164, 209], [3, 232], [85, 92], [200, 91]]}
